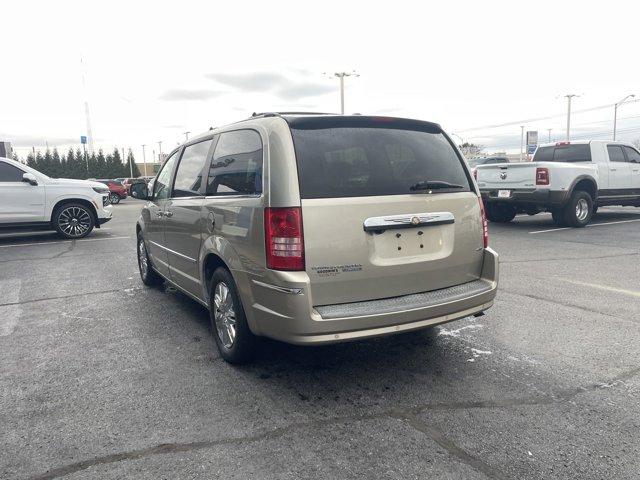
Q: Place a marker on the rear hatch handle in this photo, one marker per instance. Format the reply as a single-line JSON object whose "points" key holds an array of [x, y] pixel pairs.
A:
{"points": [[410, 220]]}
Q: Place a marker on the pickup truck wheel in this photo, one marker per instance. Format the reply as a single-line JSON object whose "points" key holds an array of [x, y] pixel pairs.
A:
{"points": [[579, 210], [500, 212], [233, 337], [73, 220]]}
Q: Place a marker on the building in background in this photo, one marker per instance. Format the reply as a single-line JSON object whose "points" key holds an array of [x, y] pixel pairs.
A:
{"points": [[5, 149]]}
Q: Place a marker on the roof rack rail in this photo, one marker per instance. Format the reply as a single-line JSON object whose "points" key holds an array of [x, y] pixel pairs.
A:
{"points": [[274, 114]]}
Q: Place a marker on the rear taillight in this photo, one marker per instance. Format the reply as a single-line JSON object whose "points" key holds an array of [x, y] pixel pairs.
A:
{"points": [[283, 238], [542, 176], [485, 227]]}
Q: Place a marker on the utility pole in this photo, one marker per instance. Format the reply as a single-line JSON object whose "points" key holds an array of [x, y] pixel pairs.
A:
{"points": [[521, 141], [160, 152], [569, 97], [549, 131], [341, 76], [144, 160], [130, 164], [615, 113], [186, 135]]}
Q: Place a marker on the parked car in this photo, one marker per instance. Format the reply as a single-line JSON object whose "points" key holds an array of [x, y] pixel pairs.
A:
{"points": [[31, 200], [117, 190], [569, 179], [314, 229]]}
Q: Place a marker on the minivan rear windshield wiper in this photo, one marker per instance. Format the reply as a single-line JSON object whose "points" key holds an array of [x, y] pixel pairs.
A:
{"points": [[433, 185]]}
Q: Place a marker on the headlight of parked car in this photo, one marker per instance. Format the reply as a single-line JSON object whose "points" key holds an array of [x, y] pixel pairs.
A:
{"points": [[102, 190]]}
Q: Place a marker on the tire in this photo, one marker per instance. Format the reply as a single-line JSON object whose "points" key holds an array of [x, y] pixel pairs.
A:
{"points": [[230, 330], [579, 210], [114, 198], [595, 209], [149, 276], [73, 220], [558, 218], [500, 212]]}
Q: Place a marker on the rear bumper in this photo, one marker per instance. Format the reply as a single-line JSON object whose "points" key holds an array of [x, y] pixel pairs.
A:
{"points": [[534, 196], [295, 321]]}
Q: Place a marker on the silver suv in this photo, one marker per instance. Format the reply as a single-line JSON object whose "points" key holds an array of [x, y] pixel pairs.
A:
{"points": [[314, 228]]}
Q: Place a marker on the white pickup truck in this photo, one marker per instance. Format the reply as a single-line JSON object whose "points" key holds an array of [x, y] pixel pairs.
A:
{"points": [[569, 179]]}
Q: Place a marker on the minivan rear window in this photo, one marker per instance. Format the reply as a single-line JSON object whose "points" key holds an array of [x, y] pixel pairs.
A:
{"points": [[358, 161], [564, 153]]}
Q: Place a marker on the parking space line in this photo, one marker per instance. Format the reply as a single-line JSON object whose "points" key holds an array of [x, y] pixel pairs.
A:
{"points": [[590, 225], [549, 230], [61, 241], [607, 288], [613, 223]]}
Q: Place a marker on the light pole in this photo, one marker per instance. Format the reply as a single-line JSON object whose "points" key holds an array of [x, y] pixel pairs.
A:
{"points": [[160, 150], [521, 141], [341, 76], [569, 97], [144, 160], [186, 135], [615, 112], [130, 164], [549, 131]]}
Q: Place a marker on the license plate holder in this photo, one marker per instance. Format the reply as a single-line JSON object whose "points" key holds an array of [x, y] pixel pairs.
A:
{"points": [[504, 193]]}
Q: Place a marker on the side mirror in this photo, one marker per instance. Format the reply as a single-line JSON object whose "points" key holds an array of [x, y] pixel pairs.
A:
{"points": [[140, 191], [30, 178]]}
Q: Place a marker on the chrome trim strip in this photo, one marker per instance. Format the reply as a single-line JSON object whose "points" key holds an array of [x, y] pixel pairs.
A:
{"points": [[181, 273], [174, 252], [293, 291], [407, 220]]}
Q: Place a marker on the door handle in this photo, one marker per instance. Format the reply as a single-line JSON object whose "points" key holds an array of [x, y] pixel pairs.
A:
{"points": [[613, 169], [168, 214]]}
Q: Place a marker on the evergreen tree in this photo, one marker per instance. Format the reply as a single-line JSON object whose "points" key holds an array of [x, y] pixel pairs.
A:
{"points": [[39, 162], [31, 160], [46, 163], [131, 163], [100, 166], [14, 156], [68, 164], [56, 164]]}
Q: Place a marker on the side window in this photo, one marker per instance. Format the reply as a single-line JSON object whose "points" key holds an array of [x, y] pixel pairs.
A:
{"points": [[161, 185], [189, 174], [632, 154], [615, 153], [236, 167], [9, 173]]}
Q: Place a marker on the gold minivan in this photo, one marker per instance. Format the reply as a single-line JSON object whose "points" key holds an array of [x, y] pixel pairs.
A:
{"points": [[318, 228]]}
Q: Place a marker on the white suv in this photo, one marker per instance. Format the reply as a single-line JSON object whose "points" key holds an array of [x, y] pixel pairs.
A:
{"points": [[31, 200]]}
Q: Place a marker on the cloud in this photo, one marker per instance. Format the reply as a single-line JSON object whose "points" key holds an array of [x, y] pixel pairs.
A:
{"points": [[284, 87], [182, 94]]}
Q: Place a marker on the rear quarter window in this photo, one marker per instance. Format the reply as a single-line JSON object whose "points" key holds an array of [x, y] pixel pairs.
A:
{"points": [[373, 161], [563, 153]]}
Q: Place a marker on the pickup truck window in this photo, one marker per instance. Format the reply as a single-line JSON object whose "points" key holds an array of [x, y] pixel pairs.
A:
{"points": [[564, 153], [615, 153]]}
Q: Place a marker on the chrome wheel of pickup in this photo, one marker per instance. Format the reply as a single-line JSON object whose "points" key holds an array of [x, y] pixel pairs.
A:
{"points": [[582, 210]]}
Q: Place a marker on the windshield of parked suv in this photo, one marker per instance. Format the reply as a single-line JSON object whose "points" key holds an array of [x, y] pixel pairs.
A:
{"points": [[563, 153], [345, 161]]}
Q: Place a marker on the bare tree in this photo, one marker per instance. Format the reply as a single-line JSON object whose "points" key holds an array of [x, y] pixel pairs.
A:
{"points": [[471, 150]]}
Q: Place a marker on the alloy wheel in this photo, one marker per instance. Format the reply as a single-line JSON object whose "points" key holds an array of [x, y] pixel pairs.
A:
{"points": [[74, 221], [224, 315], [582, 210], [143, 261]]}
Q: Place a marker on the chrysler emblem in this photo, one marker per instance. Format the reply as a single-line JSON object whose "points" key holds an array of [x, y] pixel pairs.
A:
{"points": [[415, 220], [503, 175]]}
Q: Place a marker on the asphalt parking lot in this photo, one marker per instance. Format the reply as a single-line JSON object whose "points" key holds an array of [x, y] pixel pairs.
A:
{"points": [[102, 378]]}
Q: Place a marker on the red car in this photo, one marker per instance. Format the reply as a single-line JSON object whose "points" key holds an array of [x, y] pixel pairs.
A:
{"points": [[117, 191]]}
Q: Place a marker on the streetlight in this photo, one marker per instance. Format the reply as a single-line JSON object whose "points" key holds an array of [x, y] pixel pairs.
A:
{"points": [[521, 141], [569, 97], [160, 150], [549, 131], [341, 76], [615, 112], [186, 135], [144, 160]]}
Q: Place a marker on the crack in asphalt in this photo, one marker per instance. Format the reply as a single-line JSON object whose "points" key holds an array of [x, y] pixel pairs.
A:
{"points": [[408, 415], [539, 260], [566, 304], [72, 295]]}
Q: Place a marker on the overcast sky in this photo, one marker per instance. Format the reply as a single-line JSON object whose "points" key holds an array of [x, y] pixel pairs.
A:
{"points": [[156, 70]]}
